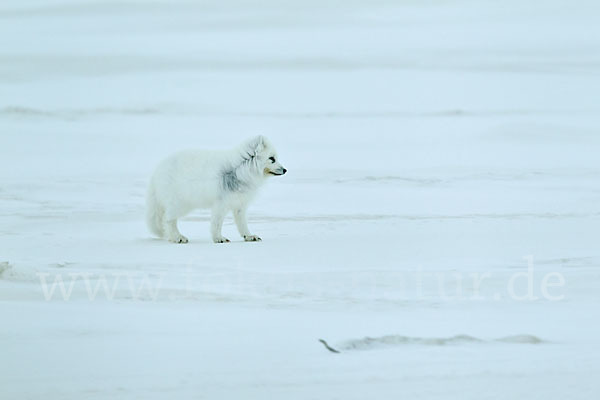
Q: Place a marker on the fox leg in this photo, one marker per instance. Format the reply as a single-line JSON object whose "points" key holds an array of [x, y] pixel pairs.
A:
{"points": [[216, 225], [172, 233], [239, 216]]}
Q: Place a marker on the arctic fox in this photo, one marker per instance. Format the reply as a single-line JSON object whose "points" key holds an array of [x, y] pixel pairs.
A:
{"points": [[222, 181]]}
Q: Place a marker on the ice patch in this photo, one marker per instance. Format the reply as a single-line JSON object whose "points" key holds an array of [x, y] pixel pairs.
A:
{"points": [[370, 343], [28, 112], [4, 267], [521, 339], [413, 217], [396, 340], [571, 262]]}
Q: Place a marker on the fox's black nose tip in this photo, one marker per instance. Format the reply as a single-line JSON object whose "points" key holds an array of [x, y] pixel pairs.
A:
{"points": [[284, 171]]}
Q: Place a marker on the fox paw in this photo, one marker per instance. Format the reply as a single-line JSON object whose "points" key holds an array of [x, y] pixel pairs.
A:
{"points": [[221, 240], [180, 239], [252, 238]]}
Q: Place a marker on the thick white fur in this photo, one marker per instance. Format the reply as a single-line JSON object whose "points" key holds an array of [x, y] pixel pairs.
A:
{"points": [[222, 181]]}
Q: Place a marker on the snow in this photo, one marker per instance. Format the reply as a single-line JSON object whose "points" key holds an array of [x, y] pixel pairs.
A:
{"points": [[438, 224]]}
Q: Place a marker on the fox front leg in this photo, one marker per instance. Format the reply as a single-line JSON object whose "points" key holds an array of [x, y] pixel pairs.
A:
{"points": [[216, 225], [239, 215]]}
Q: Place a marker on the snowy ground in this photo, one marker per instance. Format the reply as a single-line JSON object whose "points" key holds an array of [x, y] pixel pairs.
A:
{"points": [[443, 161]]}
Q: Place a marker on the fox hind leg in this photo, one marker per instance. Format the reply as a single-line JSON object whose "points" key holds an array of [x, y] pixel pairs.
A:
{"points": [[172, 233]]}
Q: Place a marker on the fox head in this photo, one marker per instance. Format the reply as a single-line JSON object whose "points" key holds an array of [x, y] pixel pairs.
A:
{"points": [[265, 156]]}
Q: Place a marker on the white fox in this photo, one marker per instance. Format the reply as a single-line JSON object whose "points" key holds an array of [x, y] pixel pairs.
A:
{"points": [[222, 181]]}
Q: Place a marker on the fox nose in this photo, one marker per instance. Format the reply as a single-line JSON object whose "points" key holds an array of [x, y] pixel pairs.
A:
{"points": [[284, 171]]}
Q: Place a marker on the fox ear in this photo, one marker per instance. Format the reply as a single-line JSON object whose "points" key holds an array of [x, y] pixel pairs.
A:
{"points": [[258, 144]]}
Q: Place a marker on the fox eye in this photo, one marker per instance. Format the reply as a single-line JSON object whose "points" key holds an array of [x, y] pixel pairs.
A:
{"points": [[272, 159]]}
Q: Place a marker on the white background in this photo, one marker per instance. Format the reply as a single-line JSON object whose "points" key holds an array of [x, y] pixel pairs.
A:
{"points": [[427, 142]]}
